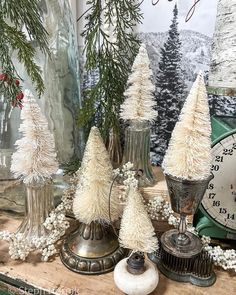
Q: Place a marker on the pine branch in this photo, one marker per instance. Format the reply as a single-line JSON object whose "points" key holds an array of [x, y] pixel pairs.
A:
{"points": [[113, 60], [20, 20]]}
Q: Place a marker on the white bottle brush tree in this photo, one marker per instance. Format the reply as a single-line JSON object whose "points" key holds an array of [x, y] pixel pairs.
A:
{"points": [[189, 152], [139, 103], [91, 203], [134, 275], [35, 158], [34, 162], [136, 229], [138, 110]]}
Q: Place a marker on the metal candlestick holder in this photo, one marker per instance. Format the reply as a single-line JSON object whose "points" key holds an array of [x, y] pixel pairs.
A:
{"points": [[181, 250], [92, 249]]}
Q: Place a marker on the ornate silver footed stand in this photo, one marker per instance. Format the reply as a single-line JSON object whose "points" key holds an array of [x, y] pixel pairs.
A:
{"points": [[92, 249], [181, 257]]}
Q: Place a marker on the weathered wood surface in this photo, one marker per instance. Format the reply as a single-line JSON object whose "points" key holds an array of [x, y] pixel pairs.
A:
{"points": [[56, 279]]}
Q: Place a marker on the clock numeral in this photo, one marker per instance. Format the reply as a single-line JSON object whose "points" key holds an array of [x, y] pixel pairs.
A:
{"points": [[223, 210], [234, 146], [228, 152], [216, 204], [215, 167], [211, 186], [212, 196], [230, 216], [219, 158]]}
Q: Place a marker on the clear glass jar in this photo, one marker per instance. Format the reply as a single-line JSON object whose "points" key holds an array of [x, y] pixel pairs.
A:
{"points": [[39, 201], [59, 103], [137, 151]]}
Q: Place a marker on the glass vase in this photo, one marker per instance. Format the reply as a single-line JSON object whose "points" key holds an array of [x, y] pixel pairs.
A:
{"points": [[61, 99], [9, 124], [137, 151], [114, 149], [59, 103], [38, 204], [11, 190]]}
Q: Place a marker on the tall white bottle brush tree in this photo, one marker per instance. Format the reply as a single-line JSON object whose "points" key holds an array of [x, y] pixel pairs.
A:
{"points": [[34, 161], [138, 111], [189, 152]]}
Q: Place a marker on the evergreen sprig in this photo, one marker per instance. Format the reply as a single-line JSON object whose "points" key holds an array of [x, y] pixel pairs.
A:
{"points": [[20, 25], [112, 60]]}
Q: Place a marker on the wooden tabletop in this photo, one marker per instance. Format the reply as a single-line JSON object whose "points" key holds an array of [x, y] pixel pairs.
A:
{"points": [[55, 278]]}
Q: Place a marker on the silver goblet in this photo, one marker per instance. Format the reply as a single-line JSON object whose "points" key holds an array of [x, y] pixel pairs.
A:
{"points": [[185, 197], [180, 256]]}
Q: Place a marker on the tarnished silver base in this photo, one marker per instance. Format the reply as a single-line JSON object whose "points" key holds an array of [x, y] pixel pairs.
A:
{"points": [[197, 269], [184, 277], [92, 249], [188, 249]]}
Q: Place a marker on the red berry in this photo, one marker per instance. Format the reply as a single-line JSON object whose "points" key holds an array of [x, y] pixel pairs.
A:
{"points": [[17, 82], [20, 96], [3, 77]]}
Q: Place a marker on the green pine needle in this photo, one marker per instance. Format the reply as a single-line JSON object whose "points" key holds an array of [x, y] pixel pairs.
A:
{"points": [[112, 60], [20, 25]]}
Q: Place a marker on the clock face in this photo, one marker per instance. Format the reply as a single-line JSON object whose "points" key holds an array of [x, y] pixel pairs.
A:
{"points": [[220, 198]]}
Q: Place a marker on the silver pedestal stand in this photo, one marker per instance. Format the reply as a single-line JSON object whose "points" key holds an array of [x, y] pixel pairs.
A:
{"points": [[181, 257]]}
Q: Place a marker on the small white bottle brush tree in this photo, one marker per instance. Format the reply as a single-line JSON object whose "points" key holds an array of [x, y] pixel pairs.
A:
{"points": [[136, 229], [34, 161], [138, 111], [135, 275], [189, 152]]}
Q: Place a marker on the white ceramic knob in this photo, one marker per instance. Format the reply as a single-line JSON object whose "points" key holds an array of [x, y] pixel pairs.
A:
{"points": [[131, 284]]}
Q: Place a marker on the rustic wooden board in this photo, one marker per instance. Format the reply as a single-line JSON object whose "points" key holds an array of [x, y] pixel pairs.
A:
{"points": [[54, 277]]}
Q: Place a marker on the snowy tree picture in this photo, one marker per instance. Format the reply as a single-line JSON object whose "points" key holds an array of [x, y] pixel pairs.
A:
{"points": [[169, 89], [178, 51]]}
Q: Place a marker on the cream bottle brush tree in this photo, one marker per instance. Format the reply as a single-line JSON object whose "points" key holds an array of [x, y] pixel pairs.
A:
{"points": [[135, 275], [138, 110], [136, 229], [93, 248], [34, 161], [91, 201], [139, 103], [35, 158], [189, 152]]}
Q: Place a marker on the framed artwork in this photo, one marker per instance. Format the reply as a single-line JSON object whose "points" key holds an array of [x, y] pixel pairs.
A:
{"points": [[194, 51], [178, 50]]}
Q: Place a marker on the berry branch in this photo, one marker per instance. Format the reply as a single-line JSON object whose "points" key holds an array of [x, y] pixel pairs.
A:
{"points": [[20, 26]]}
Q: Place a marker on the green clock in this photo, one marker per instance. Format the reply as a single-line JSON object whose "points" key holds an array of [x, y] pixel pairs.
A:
{"points": [[216, 216]]}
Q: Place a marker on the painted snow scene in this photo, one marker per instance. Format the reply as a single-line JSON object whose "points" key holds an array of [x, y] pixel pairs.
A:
{"points": [[178, 50]]}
